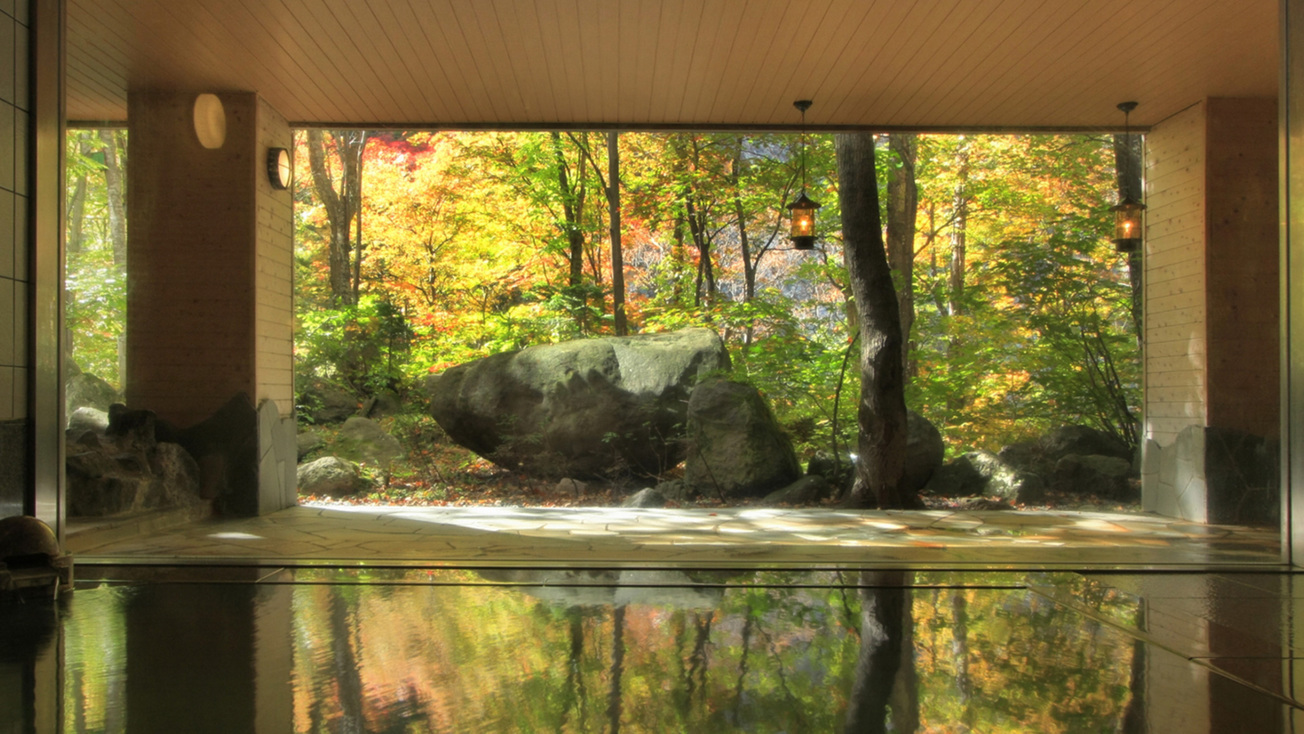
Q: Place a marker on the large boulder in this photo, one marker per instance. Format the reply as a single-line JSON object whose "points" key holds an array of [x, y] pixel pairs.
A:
{"points": [[322, 401], [736, 447], [126, 469], [1082, 441], [1103, 476], [588, 408], [364, 441], [982, 473], [330, 476], [925, 451], [85, 390], [1006, 482]]}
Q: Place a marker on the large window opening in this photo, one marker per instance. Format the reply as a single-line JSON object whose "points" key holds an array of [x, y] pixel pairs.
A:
{"points": [[420, 252]]}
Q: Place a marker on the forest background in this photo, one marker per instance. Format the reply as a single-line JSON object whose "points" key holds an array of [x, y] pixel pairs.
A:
{"points": [[417, 251]]}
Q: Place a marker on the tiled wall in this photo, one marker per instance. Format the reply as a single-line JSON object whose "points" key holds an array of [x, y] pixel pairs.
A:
{"points": [[15, 278]]}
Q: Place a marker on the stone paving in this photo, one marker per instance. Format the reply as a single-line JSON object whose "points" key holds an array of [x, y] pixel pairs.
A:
{"points": [[725, 537]]}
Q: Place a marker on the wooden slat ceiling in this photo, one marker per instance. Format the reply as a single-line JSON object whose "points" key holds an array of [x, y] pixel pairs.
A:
{"points": [[921, 64]]}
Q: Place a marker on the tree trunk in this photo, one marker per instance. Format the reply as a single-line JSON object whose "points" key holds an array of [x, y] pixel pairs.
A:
{"points": [[617, 254], [572, 203], [1127, 164], [77, 202], [356, 196], [883, 599], [902, 211], [882, 411], [341, 206], [960, 208], [115, 184], [749, 267]]}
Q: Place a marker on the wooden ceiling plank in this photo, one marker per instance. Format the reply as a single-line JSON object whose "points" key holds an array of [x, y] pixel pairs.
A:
{"points": [[840, 32], [902, 64], [457, 67], [865, 76], [965, 33], [374, 76], [994, 101], [415, 75], [284, 82], [535, 70], [692, 23], [638, 29], [760, 62], [721, 65], [811, 29], [349, 95], [500, 53]]}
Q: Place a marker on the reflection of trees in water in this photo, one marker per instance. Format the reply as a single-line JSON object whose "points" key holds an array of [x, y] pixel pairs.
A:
{"points": [[868, 654]]}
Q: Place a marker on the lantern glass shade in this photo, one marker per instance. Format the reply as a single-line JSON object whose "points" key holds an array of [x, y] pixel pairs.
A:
{"points": [[1127, 225], [803, 221]]}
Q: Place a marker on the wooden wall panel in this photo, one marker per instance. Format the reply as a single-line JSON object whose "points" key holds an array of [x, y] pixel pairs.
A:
{"points": [[1174, 307], [274, 279]]}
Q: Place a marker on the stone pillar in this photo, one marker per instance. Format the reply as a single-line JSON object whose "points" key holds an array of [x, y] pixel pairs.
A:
{"points": [[1291, 184], [209, 315], [1211, 321]]}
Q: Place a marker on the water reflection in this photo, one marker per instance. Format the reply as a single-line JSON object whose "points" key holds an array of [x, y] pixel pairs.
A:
{"points": [[578, 652]]}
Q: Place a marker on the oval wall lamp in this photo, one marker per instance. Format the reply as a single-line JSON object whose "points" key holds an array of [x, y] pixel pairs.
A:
{"points": [[279, 173], [210, 121]]}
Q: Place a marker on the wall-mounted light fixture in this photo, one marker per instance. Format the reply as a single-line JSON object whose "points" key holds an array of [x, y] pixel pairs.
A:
{"points": [[210, 121], [279, 173], [1128, 213], [803, 207]]}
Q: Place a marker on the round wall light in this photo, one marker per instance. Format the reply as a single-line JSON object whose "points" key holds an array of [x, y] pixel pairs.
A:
{"points": [[210, 121], [279, 173]]}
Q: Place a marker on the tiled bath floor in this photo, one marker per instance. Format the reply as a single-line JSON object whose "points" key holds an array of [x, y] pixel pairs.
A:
{"points": [[775, 537]]}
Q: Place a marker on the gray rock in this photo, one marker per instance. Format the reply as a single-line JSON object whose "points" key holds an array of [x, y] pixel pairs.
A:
{"points": [[88, 419], [593, 408], [983, 473], [383, 403], [808, 490], [88, 391], [925, 451], [364, 441], [645, 498], [325, 402], [1103, 476], [307, 442], [1006, 482], [983, 503], [1082, 441], [330, 476], [125, 470], [736, 447], [958, 478], [677, 490], [572, 487], [839, 474]]}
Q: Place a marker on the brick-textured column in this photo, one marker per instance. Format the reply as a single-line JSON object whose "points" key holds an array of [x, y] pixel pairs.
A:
{"points": [[209, 315]]}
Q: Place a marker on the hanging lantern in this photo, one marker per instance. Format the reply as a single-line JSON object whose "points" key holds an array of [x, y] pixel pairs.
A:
{"points": [[1127, 225], [1127, 213], [803, 207], [803, 221]]}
